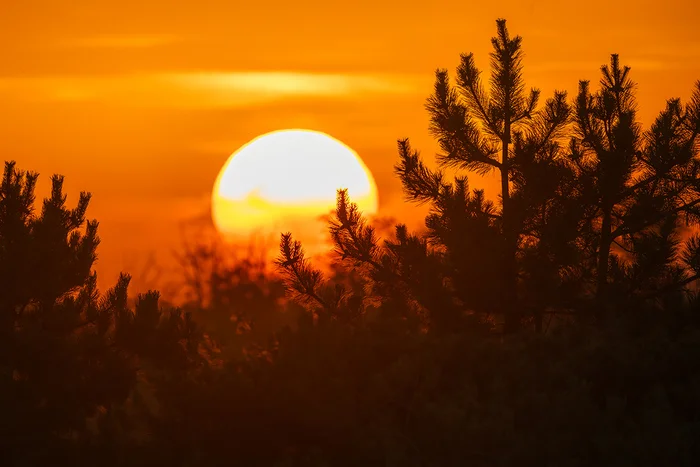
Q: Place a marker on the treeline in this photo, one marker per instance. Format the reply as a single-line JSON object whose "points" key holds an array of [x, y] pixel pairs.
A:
{"points": [[557, 325]]}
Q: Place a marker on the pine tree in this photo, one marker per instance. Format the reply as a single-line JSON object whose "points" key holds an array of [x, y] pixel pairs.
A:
{"points": [[500, 131], [639, 185], [67, 352], [476, 260]]}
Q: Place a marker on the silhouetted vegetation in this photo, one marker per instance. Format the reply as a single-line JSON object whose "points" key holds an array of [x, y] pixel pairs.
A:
{"points": [[556, 325]]}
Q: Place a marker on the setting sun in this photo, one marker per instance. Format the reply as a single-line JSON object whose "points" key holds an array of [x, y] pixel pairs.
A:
{"points": [[286, 180]]}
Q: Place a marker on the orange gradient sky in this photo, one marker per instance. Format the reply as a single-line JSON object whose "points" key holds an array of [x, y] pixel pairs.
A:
{"points": [[141, 102]]}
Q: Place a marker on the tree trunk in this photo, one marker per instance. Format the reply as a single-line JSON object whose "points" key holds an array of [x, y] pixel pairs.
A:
{"points": [[603, 265], [510, 236], [512, 320]]}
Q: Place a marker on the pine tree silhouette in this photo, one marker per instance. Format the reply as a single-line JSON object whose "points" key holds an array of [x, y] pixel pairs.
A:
{"points": [[68, 353], [406, 277], [516, 261], [638, 186], [502, 131]]}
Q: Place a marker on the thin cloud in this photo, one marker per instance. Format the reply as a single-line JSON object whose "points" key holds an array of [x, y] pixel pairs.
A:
{"points": [[293, 82], [220, 87], [206, 89]]}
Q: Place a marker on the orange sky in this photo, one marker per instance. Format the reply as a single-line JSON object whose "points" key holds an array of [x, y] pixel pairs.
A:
{"points": [[141, 102]]}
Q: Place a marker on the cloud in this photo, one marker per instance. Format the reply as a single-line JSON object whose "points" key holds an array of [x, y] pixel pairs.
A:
{"points": [[206, 89], [290, 83]]}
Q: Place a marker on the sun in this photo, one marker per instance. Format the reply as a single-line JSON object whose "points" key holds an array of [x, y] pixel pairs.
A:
{"points": [[287, 180]]}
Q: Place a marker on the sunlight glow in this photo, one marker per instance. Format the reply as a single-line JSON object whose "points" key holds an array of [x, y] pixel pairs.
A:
{"points": [[287, 180]]}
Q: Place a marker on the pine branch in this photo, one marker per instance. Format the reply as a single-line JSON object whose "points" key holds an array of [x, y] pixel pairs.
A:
{"points": [[469, 82], [507, 86], [458, 135], [692, 112], [549, 124], [590, 136], [626, 229], [421, 185], [691, 254], [302, 278], [352, 237], [530, 106]]}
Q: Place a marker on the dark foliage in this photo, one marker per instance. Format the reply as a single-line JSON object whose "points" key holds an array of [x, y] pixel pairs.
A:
{"points": [[69, 354], [637, 187]]}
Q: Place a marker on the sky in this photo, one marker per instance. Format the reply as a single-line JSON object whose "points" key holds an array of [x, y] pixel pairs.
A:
{"points": [[141, 102]]}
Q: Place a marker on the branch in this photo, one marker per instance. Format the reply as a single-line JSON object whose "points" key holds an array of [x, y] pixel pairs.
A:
{"points": [[623, 247], [625, 229], [349, 220], [468, 80], [304, 279], [459, 137], [630, 191], [420, 184], [530, 107]]}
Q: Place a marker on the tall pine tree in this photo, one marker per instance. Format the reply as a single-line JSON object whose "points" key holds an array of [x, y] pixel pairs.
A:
{"points": [[501, 131], [640, 186]]}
